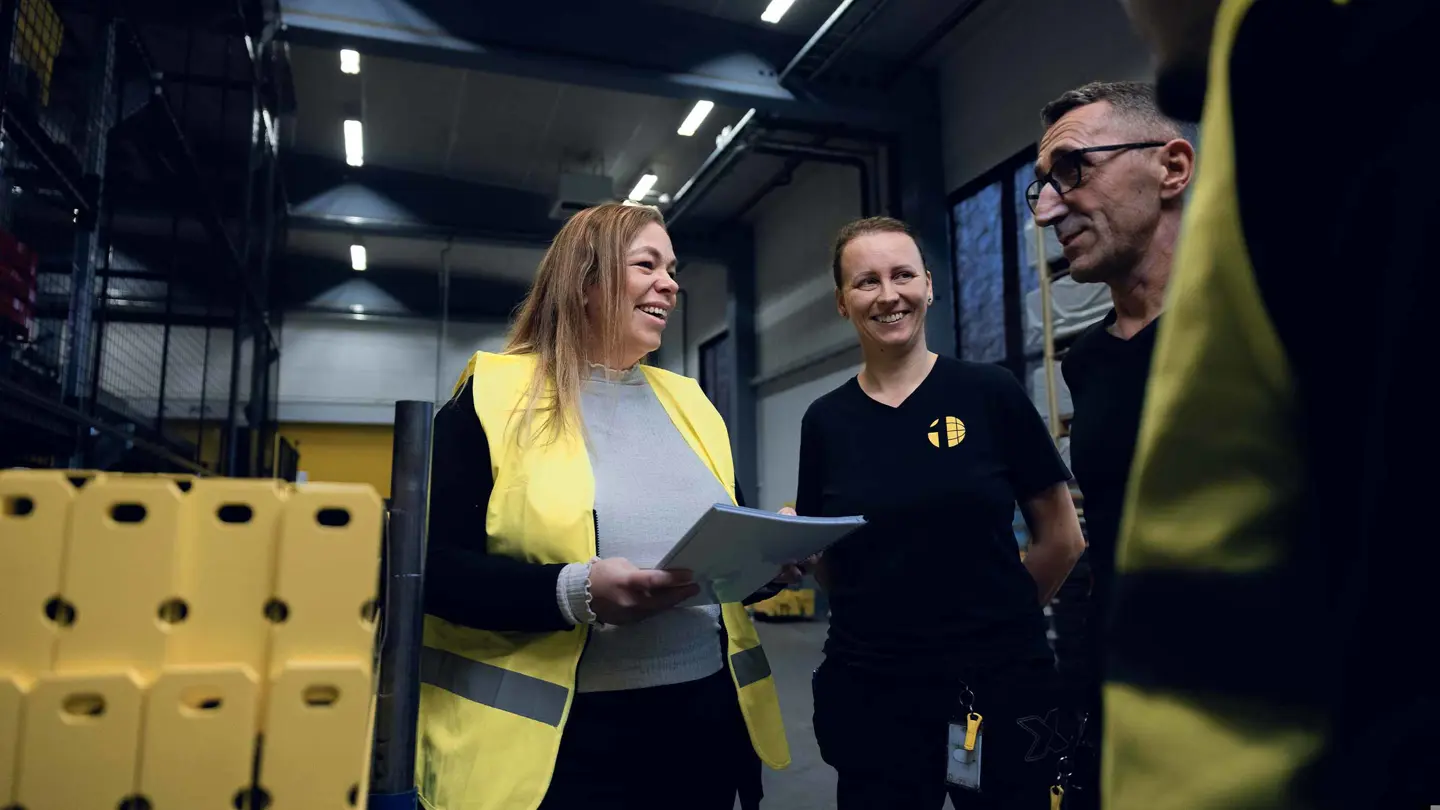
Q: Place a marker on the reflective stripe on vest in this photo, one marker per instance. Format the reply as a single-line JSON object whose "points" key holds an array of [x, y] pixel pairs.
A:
{"points": [[492, 686], [750, 666], [534, 698]]}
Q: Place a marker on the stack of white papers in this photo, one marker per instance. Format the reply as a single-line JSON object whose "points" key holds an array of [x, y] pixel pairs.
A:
{"points": [[734, 551]]}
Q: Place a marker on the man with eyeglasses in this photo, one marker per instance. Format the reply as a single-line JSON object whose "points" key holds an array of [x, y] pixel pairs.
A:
{"points": [[1110, 179]]}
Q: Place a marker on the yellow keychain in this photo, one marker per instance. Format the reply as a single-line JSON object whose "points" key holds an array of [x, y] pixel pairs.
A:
{"points": [[1057, 794], [972, 727]]}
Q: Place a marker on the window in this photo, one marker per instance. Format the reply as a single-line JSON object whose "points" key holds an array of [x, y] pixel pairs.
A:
{"points": [[992, 271], [980, 275]]}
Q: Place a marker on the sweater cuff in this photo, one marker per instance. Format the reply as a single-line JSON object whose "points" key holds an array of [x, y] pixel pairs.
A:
{"points": [[572, 592]]}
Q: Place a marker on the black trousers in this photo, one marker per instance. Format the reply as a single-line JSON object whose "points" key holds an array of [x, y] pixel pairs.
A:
{"points": [[886, 737], [660, 748]]}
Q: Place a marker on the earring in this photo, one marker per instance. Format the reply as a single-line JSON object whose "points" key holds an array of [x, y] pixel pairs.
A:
{"points": [[929, 301]]}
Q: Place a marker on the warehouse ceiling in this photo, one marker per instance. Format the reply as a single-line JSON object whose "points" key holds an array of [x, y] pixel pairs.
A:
{"points": [[471, 114]]}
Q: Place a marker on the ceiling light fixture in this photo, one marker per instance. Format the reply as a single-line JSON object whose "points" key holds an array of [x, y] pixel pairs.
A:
{"points": [[776, 10], [643, 187], [354, 143], [357, 257], [349, 61], [696, 117]]}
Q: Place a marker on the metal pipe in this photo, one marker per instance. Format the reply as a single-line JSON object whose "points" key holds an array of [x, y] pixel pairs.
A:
{"points": [[849, 41], [716, 166], [1052, 398], [815, 38], [397, 707]]}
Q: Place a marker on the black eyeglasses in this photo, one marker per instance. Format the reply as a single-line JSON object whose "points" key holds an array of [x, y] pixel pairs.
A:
{"points": [[1067, 173]]}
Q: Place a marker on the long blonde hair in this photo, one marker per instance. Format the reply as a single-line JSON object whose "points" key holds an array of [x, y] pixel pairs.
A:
{"points": [[588, 255]]}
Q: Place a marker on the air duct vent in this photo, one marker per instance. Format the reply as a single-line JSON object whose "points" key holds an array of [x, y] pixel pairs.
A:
{"points": [[580, 191]]}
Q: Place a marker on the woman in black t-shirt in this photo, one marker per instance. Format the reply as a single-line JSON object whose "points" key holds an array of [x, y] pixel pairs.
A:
{"points": [[933, 612]]}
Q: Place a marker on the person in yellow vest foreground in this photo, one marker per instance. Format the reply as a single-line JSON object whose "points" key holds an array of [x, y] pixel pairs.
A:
{"points": [[1275, 599], [557, 670]]}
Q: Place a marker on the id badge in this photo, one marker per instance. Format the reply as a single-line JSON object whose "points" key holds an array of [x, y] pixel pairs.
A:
{"points": [[962, 761]]}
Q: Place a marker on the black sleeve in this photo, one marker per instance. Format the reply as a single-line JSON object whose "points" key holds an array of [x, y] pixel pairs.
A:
{"points": [[810, 482], [1032, 462], [463, 583]]}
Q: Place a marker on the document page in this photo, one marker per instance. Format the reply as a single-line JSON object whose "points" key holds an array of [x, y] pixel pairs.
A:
{"points": [[735, 551]]}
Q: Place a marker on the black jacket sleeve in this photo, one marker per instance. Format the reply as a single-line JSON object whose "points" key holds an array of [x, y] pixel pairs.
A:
{"points": [[811, 479], [464, 584]]}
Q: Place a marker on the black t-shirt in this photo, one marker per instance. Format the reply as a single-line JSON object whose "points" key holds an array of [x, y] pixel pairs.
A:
{"points": [[1107, 377], [933, 584]]}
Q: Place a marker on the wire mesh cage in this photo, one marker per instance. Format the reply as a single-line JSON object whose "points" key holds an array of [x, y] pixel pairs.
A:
{"points": [[131, 332], [38, 33]]}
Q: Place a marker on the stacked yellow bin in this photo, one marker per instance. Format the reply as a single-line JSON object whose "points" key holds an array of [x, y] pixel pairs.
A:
{"points": [[155, 630]]}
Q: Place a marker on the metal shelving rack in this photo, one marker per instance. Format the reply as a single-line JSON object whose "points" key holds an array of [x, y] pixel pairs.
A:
{"points": [[139, 157]]}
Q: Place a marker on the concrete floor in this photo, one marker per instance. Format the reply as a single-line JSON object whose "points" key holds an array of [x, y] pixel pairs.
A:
{"points": [[794, 652]]}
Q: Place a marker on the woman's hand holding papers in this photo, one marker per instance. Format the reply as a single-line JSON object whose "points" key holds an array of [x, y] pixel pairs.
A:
{"points": [[810, 564], [790, 573], [620, 593]]}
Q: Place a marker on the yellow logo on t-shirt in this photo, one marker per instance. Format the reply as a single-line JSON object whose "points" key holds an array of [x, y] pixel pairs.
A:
{"points": [[954, 432]]}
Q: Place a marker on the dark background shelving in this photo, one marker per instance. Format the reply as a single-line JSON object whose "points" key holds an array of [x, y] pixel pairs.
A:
{"points": [[139, 160]]}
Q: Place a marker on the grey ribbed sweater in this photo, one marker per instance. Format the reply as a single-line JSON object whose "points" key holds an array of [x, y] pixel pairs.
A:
{"points": [[649, 488]]}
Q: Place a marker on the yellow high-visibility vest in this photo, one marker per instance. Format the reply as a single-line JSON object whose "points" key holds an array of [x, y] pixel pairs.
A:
{"points": [[1209, 562], [493, 704]]}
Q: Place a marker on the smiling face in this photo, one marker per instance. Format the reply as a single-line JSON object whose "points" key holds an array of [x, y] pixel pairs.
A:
{"points": [[884, 290], [647, 291], [1106, 224]]}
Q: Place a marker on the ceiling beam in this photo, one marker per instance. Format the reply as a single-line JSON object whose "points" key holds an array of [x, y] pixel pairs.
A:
{"points": [[651, 50], [321, 285], [327, 195]]}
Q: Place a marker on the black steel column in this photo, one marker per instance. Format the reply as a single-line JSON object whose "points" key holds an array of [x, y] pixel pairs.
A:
{"points": [[392, 772], [923, 204], [87, 238], [262, 353], [740, 323]]}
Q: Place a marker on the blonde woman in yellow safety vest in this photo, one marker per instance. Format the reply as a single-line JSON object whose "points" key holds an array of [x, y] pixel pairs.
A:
{"points": [[558, 671]]}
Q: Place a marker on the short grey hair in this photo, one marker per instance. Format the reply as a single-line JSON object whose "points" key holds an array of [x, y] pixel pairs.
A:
{"points": [[1132, 100]]}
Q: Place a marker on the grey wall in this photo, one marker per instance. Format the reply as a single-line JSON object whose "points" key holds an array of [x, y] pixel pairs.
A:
{"points": [[336, 369], [805, 347], [1013, 56], [701, 316]]}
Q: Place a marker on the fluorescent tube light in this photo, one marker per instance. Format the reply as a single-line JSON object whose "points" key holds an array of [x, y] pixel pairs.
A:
{"points": [[776, 10], [349, 61], [696, 117], [643, 187], [354, 143], [357, 257]]}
